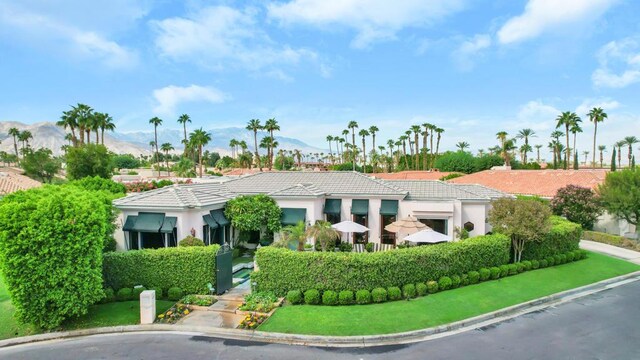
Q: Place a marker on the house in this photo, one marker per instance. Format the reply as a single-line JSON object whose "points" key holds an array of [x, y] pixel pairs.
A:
{"points": [[12, 181], [412, 175], [161, 217]]}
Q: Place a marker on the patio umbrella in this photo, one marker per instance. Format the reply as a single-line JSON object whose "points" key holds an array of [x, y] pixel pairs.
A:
{"points": [[408, 225], [348, 227], [427, 235]]}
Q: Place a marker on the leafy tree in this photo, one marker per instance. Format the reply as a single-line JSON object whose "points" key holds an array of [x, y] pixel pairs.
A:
{"points": [[577, 204], [620, 195], [486, 162], [212, 158], [458, 161], [522, 220], [89, 160], [253, 212], [323, 233], [51, 242], [281, 160], [125, 161], [184, 168], [40, 164]]}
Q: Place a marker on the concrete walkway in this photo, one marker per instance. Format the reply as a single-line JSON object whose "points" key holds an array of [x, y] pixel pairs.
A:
{"points": [[222, 314], [626, 254]]}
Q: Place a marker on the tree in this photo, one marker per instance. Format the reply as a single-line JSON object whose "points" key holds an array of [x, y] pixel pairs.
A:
{"points": [[166, 147], [253, 213], [51, 242], [105, 122], [458, 161], [88, 160], [462, 146], [184, 119], [526, 134], [198, 139], [14, 132], [323, 233], [184, 168], [575, 161], [416, 129], [271, 125], [353, 126], [575, 129], [630, 141], [620, 195], [254, 125], [613, 159], [373, 130], [522, 220], [619, 145], [439, 131], [40, 164], [297, 233], [156, 121], [596, 115], [601, 149], [538, 147], [125, 161], [566, 119], [24, 137], [578, 204], [364, 133]]}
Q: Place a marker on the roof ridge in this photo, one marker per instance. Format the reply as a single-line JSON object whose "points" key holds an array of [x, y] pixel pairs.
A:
{"points": [[381, 182], [452, 185]]}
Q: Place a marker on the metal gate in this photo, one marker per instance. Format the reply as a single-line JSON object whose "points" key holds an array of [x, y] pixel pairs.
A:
{"points": [[224, 269]]}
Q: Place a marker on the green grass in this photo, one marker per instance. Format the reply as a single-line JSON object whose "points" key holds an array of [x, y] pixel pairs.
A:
{"points": [[447, 306], [111, 314]]}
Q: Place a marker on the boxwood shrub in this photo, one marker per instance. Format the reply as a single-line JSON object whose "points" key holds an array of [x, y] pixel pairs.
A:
{"points": [[421, 289], [363, 297], [551, 260], [175, 293], [495, 272], [432, 287], [474, 277], [282, 270], [485, 274], [109, 296], [330, 297], [513, 269], [190, 268], [504, 270], [294, 297], [464, 280], [563, 237], [409, 291], [345, 297], [124, 294], [137, 291], [544, 263], [527, 265], [312, 297], [535, 264], [455, 281], [444, 283], [394, 293], [520, 267], [379, 295]]}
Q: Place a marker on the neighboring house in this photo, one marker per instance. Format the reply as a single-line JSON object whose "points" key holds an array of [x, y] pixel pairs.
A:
{"points": [[11, 181], [161, 217], [412, 175]]}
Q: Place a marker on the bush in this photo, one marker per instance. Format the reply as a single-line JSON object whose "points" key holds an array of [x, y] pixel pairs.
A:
{"points": [[363, 297], [485, 274], [189, 268], [513, 269], [409, 291], [601, 237], [137, 291], [260, 301], [345, 247], [345, 297], [109, 296], [495, 272], [394, 293], [444, 283], [457, 161], [282, 270], [379, 295], [563, 258], [294, 297], [504, 270], [544, 263], [51, 242], [421, 289], [175, 293], [330, 298], [312, 297], [88, 160], [535, 264], [527, 265], [464, 279], [564, 236], [432, 287], [557, 259], [474, 277], [570, 256], [520, 267], [551, 261], [455, 281], [368, 247], [159, 292], [124, 294], [191, 241], [578, 204]]}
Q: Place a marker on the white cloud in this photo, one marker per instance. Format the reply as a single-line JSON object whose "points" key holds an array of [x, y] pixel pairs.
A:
{"points": [[535, 115], [542, 16], [606, 104], [169, 97], [218, 37], [469, 51], [373, 20], [619, 64]]}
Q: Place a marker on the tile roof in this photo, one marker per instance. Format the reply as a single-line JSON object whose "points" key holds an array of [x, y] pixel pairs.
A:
{"points": [[304, 190], [11, 182], [543, 183], [178, 196], [482, 190], [426, 190], [411, 175]]}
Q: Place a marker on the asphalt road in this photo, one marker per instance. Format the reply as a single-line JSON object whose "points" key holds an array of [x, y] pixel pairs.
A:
{"points": [[602, 326]]}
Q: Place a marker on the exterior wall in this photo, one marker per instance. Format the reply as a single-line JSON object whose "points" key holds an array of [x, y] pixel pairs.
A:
{"points": [[475, 213], [445, 209], [610, 224], [313, 206]]}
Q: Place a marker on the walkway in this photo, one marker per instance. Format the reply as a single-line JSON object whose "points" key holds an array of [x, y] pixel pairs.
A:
{"points": [[625, 254], [222, 314]]}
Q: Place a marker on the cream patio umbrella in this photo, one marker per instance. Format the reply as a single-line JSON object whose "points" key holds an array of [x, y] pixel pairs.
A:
{"points": [[427, 236], [408, 225]]}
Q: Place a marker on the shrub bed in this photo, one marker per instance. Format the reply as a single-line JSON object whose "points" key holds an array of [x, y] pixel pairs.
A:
{"points": [[563, 237], [189, 268]]}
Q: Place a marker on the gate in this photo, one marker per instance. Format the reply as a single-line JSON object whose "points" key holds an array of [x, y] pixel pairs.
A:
{"points": [[224, 269]]}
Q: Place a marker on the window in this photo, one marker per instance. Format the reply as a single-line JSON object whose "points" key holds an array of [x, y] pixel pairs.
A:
{"points": [[205, 235], [361, 238], [387, 237], [152, 240], [439, 225], [469, 226], [333, 218], [133, 240]]}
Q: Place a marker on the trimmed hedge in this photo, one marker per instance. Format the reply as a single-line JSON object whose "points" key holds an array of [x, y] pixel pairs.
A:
{"points": [[604, 238], [563, 237], [379, 295], [282, 270], [189, 268], [312, 297]]}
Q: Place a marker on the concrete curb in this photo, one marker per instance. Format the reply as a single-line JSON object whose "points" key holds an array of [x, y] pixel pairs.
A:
{"points": [[347, 341]]}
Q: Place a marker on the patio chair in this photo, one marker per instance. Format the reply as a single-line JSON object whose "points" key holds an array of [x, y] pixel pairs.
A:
{"points": [[386, 247], [359, 248]]}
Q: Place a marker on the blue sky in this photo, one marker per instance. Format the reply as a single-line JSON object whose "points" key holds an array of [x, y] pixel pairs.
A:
{"points": [[471, 67]]}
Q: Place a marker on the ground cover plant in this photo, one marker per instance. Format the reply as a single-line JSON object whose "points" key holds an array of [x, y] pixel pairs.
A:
{"points": [[259, 301]]}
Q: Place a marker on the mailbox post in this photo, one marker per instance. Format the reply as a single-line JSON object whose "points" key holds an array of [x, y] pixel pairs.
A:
{"points": [[147, 307]]}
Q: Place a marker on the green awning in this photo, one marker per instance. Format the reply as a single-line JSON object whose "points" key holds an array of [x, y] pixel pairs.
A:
{"points": [[332, 206], [148, 222], [130, 223], [218, 216], [292, 216], [389, 207], [360, 206], [209, 221], [168, 224]]}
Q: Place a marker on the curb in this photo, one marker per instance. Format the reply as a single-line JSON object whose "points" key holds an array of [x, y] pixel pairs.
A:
{"points": [[347, 341]]}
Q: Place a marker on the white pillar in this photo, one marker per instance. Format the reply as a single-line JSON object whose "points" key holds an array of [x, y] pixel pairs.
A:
{"points": [[139, 241], [166, 242], [147, 307]]}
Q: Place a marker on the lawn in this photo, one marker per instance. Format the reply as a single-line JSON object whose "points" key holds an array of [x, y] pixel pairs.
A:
{"points": [[447, 306], [111, 314]]}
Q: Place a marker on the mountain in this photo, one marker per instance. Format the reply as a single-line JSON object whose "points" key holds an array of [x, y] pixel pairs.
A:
{"points": [[46, 134]]}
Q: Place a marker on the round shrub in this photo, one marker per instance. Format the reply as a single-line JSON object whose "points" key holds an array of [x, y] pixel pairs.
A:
{"points": [[432, 287], [409, 291], [563, 258], [444, 283], [124, 294], [312, 297], [570, 256], [379, 295], [544, 263], [345, 247], [513, 269], [495, 272], [527, 265], [158, 291], [421, 289], [294, 297], [109, 296], [485, 274], [191, 241], [551, 261], [504, 270], [330, 297], [363, 297], [175, 293], [535, 264], [464, 279], [394, 293], [557, 259], [137, 291], [368, 247], [520, 267], [455, 281], [474, 277], [345, 297]]}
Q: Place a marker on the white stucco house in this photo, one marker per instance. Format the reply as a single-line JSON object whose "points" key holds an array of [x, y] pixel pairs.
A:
{"points": [[162, 217]]}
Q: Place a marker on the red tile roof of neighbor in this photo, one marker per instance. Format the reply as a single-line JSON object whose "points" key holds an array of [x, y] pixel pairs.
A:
{"points": [[543, 183], [11, 182], [411, 175]]}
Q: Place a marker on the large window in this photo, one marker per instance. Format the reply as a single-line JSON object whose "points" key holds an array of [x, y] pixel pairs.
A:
{"points": [[333, 218], [439, 225], [387, 237], [361, 238]]}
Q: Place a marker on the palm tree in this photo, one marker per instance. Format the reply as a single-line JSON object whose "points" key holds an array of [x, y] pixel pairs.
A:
{"points": [[353, 126], [69, 120], [596, 115], [156, 121], [630, 141], [83, 116], [502, 137], [14, 132], [416, 129], [566, 119], [575, 129], [24, 137], [601, 149], [329, 140], [619, 145], [271, 125], [439, 131], [364, 133], [322, 232], [494, 150], [184, 119], [585, 154], [404, 139], [462, 145], [295, 233], [525, 134], [166, 147], [480, 152], [538, 147], [373, 130], [254, 125], [298, 155], [425, 137], [198, 139], [104, 122], [432, 129]]}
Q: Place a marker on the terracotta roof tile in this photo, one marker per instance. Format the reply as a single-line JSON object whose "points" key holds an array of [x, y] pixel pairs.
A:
{"points": [[411, 175], [11, 182]]}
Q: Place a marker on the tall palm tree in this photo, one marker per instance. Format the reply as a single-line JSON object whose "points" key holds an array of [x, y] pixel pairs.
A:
{"points": [[153, 147], [525, 134], [353, 126], [166, 147], [233, 143], [619, 145], [106, 123], [254, 125], [596, 115], [425, 137], [538, 147], [199, 138], [480, 152], [373, 130], [298, 155], [83, 114], [24, 137], [329, 140], [155, 121], [462, 146], [184, 119], [69, 119], [601, 149], [271, 125], [502, 137], [575, 129], [439, 131], [585, 154], [364, 133], [416, 130], [566, 119], [630, 141], [432, 129], [14, 132]]}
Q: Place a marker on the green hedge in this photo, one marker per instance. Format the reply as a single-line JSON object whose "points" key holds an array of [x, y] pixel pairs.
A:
{"points": [[189, 268], [563, 237], [615, 240], [282, 270]]}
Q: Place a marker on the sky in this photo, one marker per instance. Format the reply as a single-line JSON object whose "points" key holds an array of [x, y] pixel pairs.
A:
{"points": [[471, 67]]}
